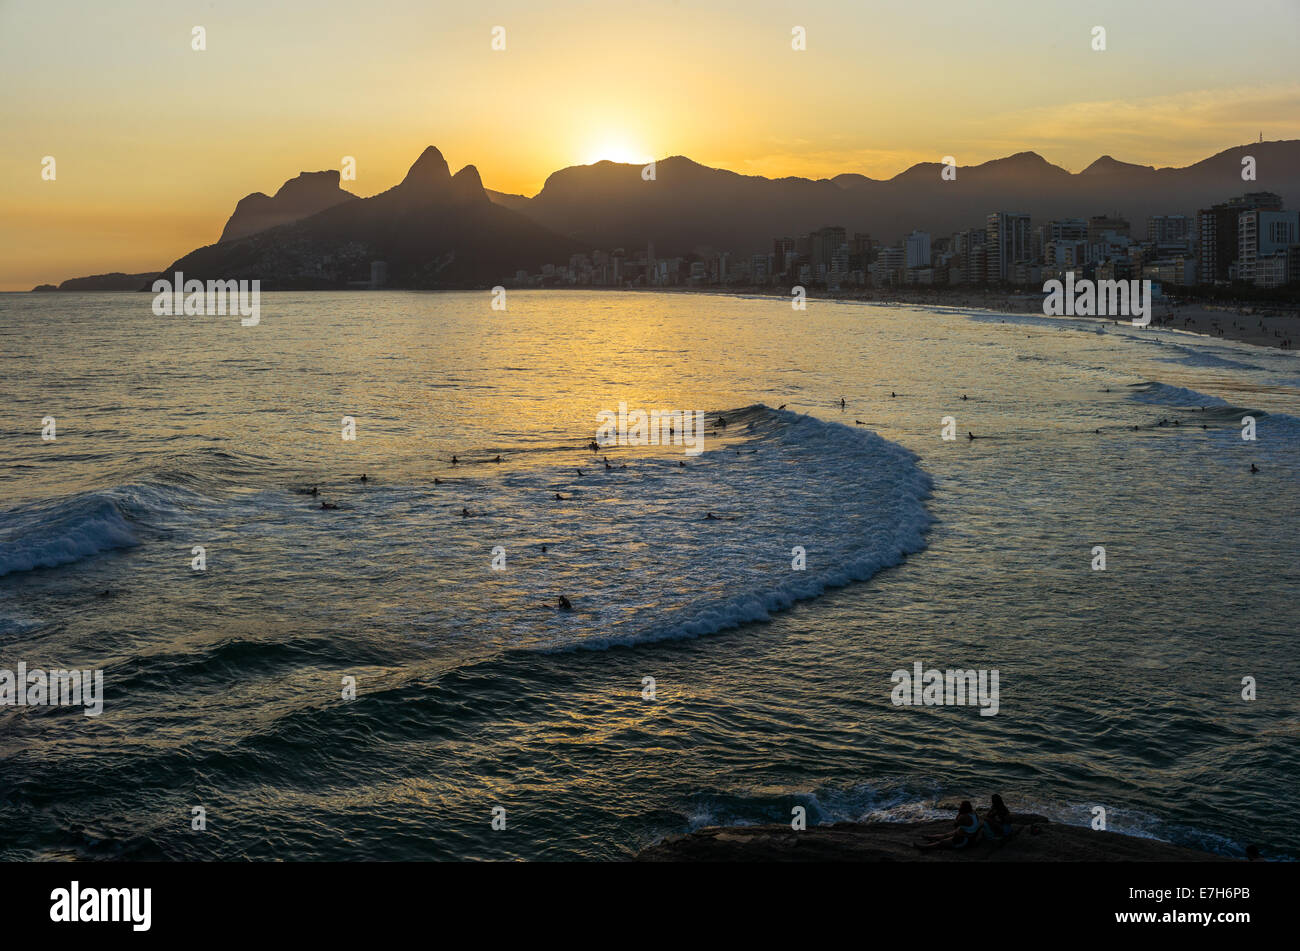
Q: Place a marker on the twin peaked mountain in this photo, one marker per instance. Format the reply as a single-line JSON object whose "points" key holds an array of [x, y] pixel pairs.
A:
{"points": [[439, 230], [434, 229]]}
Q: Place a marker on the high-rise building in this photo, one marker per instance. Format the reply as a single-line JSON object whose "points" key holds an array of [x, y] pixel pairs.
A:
{"points": [[888, 266], [917, 247], [1265, 234], [1216, 228], [825, 242], [1099, 224], [782, 251], [1008, 242], [1169, 229]]}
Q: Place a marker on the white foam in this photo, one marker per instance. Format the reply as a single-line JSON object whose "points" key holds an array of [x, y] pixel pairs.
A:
{"points": [[58, 532]]}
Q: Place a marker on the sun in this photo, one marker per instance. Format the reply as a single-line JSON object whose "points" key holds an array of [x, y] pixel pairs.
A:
{"points": [[616, 150]]}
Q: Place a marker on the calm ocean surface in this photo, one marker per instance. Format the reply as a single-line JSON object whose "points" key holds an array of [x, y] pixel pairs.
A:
{"points": [[1119, 688]]}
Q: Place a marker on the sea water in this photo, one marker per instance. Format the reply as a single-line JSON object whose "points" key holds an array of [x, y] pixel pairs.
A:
{"points": [[711, 670]]}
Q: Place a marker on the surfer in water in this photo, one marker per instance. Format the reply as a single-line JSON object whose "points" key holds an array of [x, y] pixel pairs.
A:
{"points": [[328, 505], [564, 604]]}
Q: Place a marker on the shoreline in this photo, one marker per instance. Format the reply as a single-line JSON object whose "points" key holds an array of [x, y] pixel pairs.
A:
{"points": [[1261, 325], [1265, 324], [893, 842]]}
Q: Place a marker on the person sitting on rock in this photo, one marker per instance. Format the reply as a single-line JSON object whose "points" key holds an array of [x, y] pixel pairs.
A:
{"points": [[964, 836], [997, 821]]}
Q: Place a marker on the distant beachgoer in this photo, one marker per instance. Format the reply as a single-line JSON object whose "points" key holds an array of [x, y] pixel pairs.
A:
{"points": [[842, 403], [892, 394], [970, 435], [968, 827]]}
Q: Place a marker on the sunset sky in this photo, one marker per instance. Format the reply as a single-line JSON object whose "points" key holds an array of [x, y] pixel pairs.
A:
{"points": [[155, 142]]}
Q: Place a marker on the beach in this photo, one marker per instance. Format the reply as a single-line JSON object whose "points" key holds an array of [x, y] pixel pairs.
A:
{"points": [[1263, 324]]}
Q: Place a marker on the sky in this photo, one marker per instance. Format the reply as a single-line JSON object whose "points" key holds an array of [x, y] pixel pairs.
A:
{"points": [[154, 142]]}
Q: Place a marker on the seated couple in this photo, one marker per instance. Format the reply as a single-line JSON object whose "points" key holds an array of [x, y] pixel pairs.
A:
{"points": [[996, 825]]}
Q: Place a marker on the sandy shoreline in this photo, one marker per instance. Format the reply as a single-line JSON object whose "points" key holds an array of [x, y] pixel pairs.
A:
{"points": [[1261, 325], [893, 842]]}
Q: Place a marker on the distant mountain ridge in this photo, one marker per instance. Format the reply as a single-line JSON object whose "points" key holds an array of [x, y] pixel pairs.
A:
{"points": [[689, 206]]}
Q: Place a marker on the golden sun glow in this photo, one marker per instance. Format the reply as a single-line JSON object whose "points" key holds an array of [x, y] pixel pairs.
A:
{"points": [[616, 150]]}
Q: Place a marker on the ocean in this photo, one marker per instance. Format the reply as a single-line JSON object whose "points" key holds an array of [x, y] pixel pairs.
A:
{"points": [[737, 615]]}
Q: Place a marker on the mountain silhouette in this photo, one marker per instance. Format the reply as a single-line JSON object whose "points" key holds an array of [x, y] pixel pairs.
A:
{"points": [[431, 230], [297, 198], [689, 206]]}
